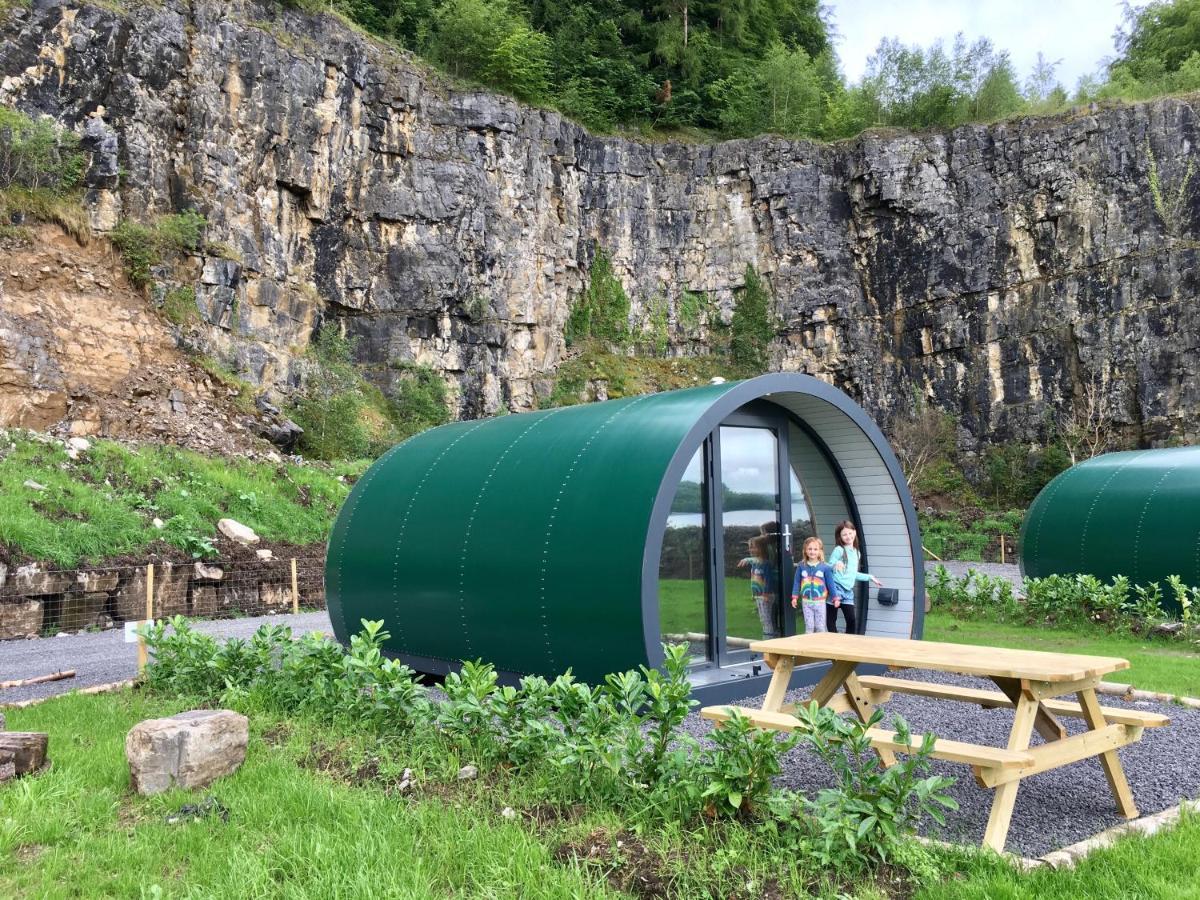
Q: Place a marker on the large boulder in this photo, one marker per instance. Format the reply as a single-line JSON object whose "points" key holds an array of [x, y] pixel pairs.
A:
{"points": [[189, 750]]}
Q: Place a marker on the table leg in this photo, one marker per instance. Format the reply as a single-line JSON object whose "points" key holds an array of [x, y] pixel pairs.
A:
{"points": [[864, 709], [1045, 722], [834, 679], [1006, 794], [780, 679], [1111, 763]]}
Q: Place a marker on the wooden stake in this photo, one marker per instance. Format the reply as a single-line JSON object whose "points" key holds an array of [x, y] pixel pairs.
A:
{"points": [[142, 656], [55, 676], [295, 589], [1002, 554]]}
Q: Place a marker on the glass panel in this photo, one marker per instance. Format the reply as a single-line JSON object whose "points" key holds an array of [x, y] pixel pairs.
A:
{"points": [[750, 535], [823, 504], [682, 586]]}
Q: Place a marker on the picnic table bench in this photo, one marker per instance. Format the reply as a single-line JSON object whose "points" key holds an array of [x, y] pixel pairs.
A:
{"points": [[1029, 682]]}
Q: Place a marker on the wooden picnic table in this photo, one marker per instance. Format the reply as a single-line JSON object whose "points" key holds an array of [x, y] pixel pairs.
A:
{"points": [[1028, 682]]}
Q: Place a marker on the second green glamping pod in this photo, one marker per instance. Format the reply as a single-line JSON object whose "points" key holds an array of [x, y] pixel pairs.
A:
{"points": [[1135, 513], [583, 537]]}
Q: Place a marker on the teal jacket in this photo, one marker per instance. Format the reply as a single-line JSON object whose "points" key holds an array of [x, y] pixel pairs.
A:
{"points": [[847, 576]]}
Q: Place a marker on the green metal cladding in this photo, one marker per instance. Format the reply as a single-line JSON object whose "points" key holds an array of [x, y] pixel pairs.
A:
{"points": [[1135, 513], [518, 539]]}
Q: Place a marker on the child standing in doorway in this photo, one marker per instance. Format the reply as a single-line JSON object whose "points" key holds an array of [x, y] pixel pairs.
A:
{"points": [[813, 587], [762, 583], [845, 560]]}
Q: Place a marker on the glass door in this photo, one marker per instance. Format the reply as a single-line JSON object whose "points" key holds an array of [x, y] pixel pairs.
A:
{"points": [[750, 606], [727, 554]]}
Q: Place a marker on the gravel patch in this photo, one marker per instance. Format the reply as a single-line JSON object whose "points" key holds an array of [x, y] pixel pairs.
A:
{"points": [[104, 657], [1054, 809], [992, 570]]}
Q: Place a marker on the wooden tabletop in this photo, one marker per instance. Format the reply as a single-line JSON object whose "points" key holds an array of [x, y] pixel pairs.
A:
{"points": [[966, 659]]}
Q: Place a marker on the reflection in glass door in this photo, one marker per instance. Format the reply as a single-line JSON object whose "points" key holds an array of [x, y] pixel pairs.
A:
{"points": [[750, 605], [683, 586]]}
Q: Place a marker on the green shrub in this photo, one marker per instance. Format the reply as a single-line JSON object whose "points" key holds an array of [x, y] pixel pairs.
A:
{"points": [[142, 246], [346, 417], [751, 329], [179, 305], [38, 154], [1064, 599], [617, 746], [601, 312], [183, 231], [863, 819], [139, 249]]}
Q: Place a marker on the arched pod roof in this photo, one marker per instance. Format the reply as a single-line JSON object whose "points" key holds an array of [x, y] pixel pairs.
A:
{"points": [[1135, 513], [532, 540]]}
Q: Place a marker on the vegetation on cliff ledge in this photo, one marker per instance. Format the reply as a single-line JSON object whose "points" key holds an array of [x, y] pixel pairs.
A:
{"points": [[745, 68]]}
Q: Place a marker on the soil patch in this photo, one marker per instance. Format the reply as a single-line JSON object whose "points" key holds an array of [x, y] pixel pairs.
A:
{"points": [[627, 864]]}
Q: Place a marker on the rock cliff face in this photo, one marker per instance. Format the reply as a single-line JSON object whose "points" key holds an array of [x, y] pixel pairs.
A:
{"points": [[1007, 273]]}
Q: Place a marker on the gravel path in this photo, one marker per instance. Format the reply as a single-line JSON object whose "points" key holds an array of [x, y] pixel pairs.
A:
{"points": [[959, 569], [104, 657], [1054, 809]]}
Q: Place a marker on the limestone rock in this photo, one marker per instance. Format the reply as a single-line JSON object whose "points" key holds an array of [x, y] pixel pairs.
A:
{"points": [[189, 750], [32, 580], [19, 618], [998, 271], [205, 572], [28, 750], [236, 531], [265, 554]]}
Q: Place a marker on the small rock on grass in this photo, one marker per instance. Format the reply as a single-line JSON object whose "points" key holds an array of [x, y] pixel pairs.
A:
{"points": [[236, 531], [466, 773], [508, 812]]}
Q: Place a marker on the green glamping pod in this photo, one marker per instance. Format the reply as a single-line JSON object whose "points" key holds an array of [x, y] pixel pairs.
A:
{"points": [[585, 536], [1135, 514]]}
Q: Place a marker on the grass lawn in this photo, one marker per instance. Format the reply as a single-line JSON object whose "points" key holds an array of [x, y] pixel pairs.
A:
{"points": [[313, 813], [1162, 866], [1154, 665]]}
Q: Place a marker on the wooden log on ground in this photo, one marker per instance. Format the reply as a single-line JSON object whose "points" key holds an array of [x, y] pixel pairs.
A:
{"points": [[27, 749], [40, 679]]}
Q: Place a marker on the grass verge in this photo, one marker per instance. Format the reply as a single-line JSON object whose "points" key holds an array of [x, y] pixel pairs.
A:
{"points": [[1154, 665]]}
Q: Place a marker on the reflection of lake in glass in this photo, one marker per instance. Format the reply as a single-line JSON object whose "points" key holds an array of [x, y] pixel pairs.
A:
{"points": [[731, 517]]}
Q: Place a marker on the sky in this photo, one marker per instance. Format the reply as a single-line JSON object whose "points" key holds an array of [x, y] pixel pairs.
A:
{"points": [[1078, 32]]}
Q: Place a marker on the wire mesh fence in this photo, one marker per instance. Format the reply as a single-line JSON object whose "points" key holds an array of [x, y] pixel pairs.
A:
{"points": [[972, 547], [39, 602]]}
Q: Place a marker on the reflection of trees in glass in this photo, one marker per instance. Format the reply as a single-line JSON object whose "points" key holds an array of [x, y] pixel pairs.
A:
{"points": [[688, 499], [682, 553]]}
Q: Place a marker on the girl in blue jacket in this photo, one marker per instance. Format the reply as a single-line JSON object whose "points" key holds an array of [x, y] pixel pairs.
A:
{"points": [[845, 560]]}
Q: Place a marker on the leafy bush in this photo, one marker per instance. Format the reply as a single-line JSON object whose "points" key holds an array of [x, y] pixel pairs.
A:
{"points": [[615, 745], [38, 154], [601, 312], [1076, 599], [142, 246], [751, 329], [179, 305], [864, 817], [346, 417]]}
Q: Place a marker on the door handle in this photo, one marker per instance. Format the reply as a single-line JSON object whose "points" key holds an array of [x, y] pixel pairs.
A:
{"points": [[787, 538]]}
